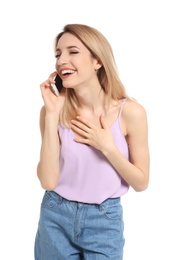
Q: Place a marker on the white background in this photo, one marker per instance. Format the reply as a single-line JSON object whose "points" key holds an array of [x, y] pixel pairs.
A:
{"points": [[140, 33]]}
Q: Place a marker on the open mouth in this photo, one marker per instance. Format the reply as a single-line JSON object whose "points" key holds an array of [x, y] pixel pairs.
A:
{"points": [[67, 72]]}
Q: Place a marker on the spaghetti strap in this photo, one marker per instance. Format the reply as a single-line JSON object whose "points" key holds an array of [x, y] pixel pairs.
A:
{"points": [[121, 108]]}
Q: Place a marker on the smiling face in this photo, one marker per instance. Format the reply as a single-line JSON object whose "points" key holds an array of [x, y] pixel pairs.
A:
{"points": [[74, 62]]}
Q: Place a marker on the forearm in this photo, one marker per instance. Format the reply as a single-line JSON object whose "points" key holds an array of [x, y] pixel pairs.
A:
{"points": [[48, 167], [133, 175]]}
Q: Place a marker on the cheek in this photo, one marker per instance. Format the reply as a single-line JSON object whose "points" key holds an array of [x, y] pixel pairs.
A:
{"points": [[84, 73], [86, 66]]}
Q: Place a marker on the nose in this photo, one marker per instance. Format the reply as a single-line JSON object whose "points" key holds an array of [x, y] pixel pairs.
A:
{"points": [[62, 59]]}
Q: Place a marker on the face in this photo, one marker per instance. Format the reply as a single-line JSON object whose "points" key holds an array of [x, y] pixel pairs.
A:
{"points": [[74, 62]]}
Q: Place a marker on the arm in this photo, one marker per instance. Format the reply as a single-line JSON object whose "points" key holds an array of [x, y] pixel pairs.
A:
{"points": [[134, 122], [48, 166], [136, 171]]}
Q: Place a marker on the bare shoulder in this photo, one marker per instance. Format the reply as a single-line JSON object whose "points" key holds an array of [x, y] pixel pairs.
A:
{"points": [[133, 118], [133, 110]]}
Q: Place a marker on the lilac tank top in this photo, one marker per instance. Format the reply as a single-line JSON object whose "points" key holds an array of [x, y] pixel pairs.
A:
{"points": [[85, 173]]}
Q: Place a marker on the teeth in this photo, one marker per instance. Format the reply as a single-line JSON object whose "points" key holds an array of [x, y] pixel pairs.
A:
{"points": [[67, 71]]}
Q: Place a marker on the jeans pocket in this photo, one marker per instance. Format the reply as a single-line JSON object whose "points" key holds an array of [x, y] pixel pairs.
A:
{"points": [[50, 199], [113, 212]]}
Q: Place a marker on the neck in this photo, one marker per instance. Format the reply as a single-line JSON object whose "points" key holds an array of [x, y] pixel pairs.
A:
{"points": [[92, 100]]}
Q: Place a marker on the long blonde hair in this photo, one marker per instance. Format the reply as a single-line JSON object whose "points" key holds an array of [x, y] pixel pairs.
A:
{"points": [[108, 77]]}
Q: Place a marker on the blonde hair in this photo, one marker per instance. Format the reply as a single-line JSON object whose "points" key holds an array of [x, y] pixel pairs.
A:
{"points": [[108, 76]]}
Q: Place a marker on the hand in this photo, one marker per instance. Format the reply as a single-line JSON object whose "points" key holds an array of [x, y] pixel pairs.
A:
{"points": [[90, 134], [52, 102]]}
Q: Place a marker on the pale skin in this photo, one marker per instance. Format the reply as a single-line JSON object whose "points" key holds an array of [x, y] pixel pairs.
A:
{"points": [[94, 120]]}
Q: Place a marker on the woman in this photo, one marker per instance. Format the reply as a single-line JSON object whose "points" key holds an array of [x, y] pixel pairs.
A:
{"points": [[94, 147]]}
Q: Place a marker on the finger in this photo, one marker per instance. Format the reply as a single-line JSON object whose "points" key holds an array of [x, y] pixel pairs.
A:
{"points": [[79, 127], [85, 122], [52, 77], [45, 84], [81, 140]]}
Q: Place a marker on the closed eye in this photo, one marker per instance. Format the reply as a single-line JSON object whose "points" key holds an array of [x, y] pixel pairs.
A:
{"points": [[57, 56], [73, 52]]}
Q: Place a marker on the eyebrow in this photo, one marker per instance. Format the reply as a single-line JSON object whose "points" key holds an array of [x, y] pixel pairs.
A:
{"points": [[69, 47]]}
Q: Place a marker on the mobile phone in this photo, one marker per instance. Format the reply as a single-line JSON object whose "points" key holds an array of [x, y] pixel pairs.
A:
{"points": [[57, 87]]}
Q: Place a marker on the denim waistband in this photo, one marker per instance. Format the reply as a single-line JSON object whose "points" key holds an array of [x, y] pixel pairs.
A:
{"points": [[105, 203]]}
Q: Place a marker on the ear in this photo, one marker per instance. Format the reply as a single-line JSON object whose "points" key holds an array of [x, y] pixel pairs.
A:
{"points": [[97, 65]]}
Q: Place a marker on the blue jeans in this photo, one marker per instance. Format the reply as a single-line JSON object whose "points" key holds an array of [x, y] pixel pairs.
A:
{"points": [[71, 230]]}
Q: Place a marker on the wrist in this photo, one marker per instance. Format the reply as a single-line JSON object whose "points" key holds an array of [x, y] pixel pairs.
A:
{"points": [[109, 150], [52, 117]]}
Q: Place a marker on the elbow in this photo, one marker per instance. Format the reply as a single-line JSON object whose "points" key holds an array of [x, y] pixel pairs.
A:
{"points": [[142, 183], [141, 187], [48, 185], [47, 181]]}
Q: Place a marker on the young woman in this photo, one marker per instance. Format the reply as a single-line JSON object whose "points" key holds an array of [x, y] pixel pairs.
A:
{"points": [[94, 147]]}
